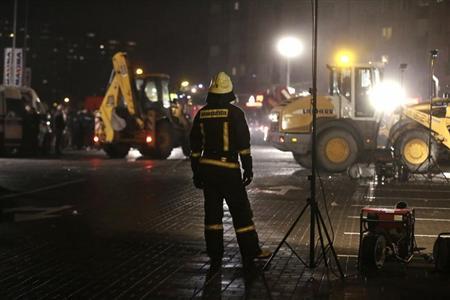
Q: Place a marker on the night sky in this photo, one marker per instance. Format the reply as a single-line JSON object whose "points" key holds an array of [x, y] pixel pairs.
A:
{"points": [[170, 35]]}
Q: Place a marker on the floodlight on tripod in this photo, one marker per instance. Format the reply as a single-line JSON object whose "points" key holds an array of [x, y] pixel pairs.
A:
{"points": [[433, 93], [316, 220], [387, 96]]}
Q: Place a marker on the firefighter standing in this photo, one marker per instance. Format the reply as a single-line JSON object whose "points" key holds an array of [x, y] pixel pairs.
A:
{"points": [[219, 135]]}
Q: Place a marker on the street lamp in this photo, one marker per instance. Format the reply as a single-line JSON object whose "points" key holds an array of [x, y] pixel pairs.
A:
{"points": [[289, 47]]}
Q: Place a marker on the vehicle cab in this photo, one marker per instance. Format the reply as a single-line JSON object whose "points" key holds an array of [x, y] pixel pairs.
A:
{"points": [[349, 88]]}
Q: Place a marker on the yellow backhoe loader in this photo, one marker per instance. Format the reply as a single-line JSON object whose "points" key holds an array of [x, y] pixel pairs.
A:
{"points": [[138, 112]]}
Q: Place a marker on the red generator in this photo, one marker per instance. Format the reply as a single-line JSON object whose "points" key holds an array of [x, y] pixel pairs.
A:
{"points": [[385, 232]]}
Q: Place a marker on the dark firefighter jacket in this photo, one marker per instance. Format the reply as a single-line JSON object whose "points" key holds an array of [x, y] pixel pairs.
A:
{"points": [[219, 134]]}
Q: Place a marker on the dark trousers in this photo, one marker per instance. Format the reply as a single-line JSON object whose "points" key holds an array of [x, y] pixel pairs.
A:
{"points": [[58, 141], [226, 184]]}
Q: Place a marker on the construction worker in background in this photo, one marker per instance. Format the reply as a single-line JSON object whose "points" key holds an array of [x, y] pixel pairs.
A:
{"points": [[219, 135], [30, 131], [59, 124]]}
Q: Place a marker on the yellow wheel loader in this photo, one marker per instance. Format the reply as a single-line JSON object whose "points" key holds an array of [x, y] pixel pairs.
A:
{"points": [[137, 112], [346, 121], [350, 129]]}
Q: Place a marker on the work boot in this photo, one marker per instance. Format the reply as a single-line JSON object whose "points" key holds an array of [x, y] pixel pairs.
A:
{"points": [[249, 269], [6, 216], [264, 254], [215, 264]]}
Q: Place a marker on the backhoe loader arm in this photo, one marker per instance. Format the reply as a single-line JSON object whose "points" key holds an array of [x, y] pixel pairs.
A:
{"points": [[439, 126], [121, 86]]}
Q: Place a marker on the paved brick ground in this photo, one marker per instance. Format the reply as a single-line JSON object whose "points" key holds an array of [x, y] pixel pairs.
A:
{"points": [[138, 248]]}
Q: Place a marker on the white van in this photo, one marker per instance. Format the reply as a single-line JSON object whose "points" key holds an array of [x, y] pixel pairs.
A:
{"points": [[13, 101]]}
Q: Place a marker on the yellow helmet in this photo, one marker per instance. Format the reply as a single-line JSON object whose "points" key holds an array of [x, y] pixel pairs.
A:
{"points": [[221, 84]]}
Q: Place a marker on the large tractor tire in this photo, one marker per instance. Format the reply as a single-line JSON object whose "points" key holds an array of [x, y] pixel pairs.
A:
{"points": [[116, 150], [164, 140], [373, 252], [337, 150], [147, 152], [412, 148], [304, 160]]}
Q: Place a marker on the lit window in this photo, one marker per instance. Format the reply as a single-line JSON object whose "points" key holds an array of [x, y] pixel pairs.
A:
{"points": [[387, 33], [236, 5]]}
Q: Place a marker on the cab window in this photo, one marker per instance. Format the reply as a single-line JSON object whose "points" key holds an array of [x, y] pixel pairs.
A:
{"points": [[151, 92], [345, 84], [341, 82], [165, 93], [334, 83], [363, 84]]}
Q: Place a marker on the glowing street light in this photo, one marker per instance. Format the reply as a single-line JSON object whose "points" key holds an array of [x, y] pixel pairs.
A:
{"points": [[289, 47], [185, 84], [66, 100], [139, 71]]}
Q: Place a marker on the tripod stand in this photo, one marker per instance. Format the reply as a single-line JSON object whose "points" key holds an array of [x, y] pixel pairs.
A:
{"points": [[316, 218], [315, 215]]}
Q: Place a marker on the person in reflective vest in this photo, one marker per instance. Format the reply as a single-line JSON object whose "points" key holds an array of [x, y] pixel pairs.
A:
{"points": [[219, 137]]}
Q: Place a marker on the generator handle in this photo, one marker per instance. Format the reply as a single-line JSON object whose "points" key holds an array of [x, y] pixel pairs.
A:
{"points": [[385, 221]]}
